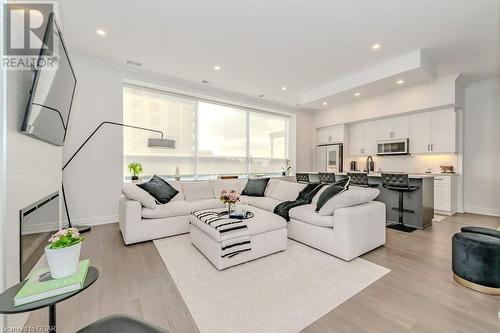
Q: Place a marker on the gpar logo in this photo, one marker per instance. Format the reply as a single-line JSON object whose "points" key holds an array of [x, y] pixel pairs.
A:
{"points": [[24, 29]]}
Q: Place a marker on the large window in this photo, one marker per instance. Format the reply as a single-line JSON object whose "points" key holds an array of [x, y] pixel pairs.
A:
{"points": [[211, 139]]}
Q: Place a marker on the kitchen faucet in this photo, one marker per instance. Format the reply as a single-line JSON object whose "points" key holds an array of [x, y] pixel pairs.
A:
{"points": [[370, 165]]}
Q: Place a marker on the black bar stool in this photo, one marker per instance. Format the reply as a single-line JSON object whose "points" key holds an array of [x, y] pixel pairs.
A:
{"points": [[401, 183], [360, 179], [302, 177], [326, 177]]}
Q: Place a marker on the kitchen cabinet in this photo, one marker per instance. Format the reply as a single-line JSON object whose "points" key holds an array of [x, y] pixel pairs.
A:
{"points": [[363, 138], [445, 194], [394, 128], [330, 134], [433, 132]]}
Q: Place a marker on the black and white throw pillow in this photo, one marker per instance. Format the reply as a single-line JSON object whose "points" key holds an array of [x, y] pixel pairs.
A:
{"points": [[308, 193], [256, 187], [162, 191], [331, 191]]}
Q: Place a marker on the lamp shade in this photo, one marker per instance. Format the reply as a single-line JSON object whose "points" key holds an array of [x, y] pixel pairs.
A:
{"points": [[161, 143]]}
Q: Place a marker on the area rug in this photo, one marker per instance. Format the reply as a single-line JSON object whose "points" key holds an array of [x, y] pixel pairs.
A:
{"points": [[438, 218], [283, 292]]}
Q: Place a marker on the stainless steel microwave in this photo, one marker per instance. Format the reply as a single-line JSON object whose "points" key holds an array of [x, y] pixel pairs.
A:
{"points": [[393, 147]]}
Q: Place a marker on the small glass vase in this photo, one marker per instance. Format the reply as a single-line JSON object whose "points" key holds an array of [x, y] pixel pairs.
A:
{"points": [[230, 208]]}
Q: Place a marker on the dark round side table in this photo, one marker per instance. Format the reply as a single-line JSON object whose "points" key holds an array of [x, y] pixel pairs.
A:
{"points": [[7, 299]]}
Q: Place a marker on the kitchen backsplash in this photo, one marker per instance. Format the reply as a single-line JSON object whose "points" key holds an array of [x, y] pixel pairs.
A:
{"points": [[409, 164]]}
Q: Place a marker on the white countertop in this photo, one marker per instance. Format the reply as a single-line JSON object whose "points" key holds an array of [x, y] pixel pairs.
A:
{"points": [[376, 174]]}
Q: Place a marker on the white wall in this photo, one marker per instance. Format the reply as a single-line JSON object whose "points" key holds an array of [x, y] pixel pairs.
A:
{"points": [[482, 148], [304, 142], [94, 179], [33, 170]]}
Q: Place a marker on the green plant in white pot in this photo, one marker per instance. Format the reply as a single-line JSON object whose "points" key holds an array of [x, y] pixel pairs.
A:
{"points": [[63, 252], [135, 169]]}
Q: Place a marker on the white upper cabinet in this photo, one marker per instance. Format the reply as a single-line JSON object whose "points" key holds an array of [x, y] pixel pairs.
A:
{"points": [[331, 134], [394, 128], [433, 132], [363, 139], [420, 140], [356, 140], [444, 126]]}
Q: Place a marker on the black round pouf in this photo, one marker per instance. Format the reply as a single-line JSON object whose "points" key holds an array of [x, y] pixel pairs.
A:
{"points": [[476, 258]]}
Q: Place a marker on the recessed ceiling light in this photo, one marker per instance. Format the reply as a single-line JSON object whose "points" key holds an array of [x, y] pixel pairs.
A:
{"points": [[101, 32], [357, 94], [283, 88], [376, 46], [325, 103], [400, 81], [217, 67]]}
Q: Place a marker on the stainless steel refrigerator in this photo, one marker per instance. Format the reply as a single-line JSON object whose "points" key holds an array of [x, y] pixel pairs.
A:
{"points": [[329, 158]]}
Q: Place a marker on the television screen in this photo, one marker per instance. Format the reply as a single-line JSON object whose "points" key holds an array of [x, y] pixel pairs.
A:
{"points": [[52, 92]]}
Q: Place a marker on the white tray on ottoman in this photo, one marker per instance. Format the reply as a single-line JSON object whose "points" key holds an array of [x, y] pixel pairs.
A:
{"points": [[267, 235]]}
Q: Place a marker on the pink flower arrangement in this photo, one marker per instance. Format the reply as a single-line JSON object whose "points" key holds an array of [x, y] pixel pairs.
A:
{"points": [[229, 197], [64, 238]]}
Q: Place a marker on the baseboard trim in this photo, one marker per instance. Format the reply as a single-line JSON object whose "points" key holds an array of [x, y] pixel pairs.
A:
{"points": [[96, 220], [482, 211]]}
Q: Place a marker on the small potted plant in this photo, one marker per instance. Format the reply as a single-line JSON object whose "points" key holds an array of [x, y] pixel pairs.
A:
{"points": [[287, 167], [229, 198], [63, 252], [135, 169]]}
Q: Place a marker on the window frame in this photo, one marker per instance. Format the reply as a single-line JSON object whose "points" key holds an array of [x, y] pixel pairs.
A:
{"points": [[248, 110]]}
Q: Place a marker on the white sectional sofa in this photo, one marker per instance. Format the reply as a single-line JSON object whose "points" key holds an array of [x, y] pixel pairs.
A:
{"points": [[347, 233]]}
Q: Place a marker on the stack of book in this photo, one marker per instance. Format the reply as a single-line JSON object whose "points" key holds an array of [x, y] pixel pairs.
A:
{"points": [[41, 285]]}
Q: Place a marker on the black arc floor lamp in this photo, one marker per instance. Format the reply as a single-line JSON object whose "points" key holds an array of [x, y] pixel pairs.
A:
{"points": [[152, 142]]}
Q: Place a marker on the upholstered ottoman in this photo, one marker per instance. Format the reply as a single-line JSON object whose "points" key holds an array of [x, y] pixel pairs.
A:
{"points": [[267, 233], [476, 259]]}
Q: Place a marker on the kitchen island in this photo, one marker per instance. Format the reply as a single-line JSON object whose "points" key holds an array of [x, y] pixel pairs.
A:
{"points": [[421, 201]]}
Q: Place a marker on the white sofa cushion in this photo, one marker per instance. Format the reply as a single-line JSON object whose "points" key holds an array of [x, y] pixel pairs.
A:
{"points": [[247, 200], [352, 197], [286, 191], [178, 186], [265, 203], [271, 184], [134, 192], [307, 214], [236, 185], [170, 209], [206, 204], [197, 190]]}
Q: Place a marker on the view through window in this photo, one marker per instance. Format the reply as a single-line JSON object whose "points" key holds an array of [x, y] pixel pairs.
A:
{"points": [[210, 139]]}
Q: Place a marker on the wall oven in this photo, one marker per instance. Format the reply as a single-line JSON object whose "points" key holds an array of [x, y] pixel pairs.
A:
{"points": [[393, 147]]}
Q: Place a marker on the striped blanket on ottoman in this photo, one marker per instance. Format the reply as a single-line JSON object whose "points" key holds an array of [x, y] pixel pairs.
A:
{"points": [[233, 232]]}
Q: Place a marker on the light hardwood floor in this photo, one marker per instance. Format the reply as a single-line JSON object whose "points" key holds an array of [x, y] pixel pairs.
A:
{"points": [[418, 295]]}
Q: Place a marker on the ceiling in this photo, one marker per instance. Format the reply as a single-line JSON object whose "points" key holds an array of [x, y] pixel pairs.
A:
{"points": [[305, 45]]}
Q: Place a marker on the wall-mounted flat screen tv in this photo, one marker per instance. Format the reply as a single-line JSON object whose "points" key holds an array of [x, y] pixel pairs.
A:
{"points": [[51, 95]]}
